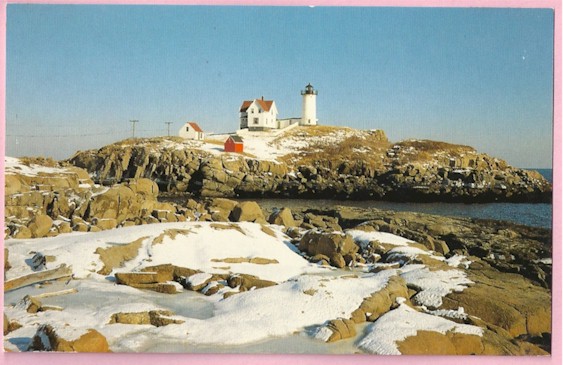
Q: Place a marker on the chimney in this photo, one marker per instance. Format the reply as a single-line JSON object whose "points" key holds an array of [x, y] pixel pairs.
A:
{"points": [[262, 97]]}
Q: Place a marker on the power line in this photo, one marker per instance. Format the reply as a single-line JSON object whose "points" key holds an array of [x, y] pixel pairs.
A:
{"points": [[112, 133], [62, 135], [133, 122], [168, 127]]}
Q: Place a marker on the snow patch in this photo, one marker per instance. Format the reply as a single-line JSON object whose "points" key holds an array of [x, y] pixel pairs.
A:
{"points": [[363, 238], [433, 285], [403, 322]]}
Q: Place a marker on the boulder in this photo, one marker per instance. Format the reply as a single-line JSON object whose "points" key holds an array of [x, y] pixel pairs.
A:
{"points": [[335, 246], [81, 227], [40, 225], [157, 318], [221, 206], [341, 329], [246, 282], [64, 227], [46, 339], [282, 217], [38, 261], [247, 212], [23, 232]]}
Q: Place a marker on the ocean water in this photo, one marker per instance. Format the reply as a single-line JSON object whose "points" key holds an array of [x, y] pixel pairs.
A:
{"points": [[537, 215], [547, 173]]}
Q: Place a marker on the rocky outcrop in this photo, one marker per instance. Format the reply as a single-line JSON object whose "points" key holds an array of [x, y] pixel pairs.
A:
{"points": [[84, 208], [492, 299], [505, 246], [451, 343], [37, 194], [414, 171]]}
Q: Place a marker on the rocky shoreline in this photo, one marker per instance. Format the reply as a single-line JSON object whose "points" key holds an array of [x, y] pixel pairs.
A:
{"points": [[488, 281], [408, 174]]}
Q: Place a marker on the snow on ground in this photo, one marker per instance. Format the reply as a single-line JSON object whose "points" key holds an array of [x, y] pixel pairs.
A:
{"points": [[269, 146], [205, 247], [306, 297], [281, 310], [363, 238], [403, 322], [199, 246], [457, 260], [14, 165], [91, 307], [434, 285], [259, 144]]}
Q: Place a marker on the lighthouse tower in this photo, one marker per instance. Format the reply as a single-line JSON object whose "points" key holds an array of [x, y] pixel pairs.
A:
{"points": [[309, 112]]}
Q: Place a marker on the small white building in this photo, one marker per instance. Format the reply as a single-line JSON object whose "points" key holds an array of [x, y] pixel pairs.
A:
{"points": [[191, 130], [258, 115]]}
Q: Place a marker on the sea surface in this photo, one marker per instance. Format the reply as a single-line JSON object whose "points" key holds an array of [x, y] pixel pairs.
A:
{"points": [[538, 215]]}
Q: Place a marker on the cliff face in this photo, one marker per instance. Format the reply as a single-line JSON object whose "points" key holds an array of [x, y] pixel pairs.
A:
{"points": [[361, 165]]}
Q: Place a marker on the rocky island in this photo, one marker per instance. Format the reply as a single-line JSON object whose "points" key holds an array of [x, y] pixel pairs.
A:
{"points": [[317, 162], [303, 280]]}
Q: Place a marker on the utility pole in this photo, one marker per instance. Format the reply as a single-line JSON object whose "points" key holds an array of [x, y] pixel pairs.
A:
{"points": [[168, 127], [133, 125]]}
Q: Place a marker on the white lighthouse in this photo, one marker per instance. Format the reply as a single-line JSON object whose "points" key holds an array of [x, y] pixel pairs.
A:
{"points": [[309, 112]]}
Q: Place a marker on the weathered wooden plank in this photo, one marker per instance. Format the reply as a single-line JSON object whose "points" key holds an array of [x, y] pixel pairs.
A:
{"points": [[38, 277]]}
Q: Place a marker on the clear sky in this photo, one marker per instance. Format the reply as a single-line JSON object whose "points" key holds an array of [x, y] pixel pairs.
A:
{"points": [[76, 74]]}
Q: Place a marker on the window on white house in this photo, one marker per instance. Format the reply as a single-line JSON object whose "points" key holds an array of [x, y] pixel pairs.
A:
{"points": [[187, 129], [255, 120]]}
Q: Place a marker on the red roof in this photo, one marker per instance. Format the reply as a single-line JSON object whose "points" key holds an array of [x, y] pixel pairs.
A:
{"points": [[195, 126], [265, 104]]}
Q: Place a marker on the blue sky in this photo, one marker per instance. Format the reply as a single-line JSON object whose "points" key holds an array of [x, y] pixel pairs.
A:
{"points": [[76, 74]]}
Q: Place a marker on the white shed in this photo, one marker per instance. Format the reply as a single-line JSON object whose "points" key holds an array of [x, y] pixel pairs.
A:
{"points": [[191, 130]]}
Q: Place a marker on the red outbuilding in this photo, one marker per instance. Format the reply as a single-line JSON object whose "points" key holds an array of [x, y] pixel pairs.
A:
{"points": [[234, 144]]}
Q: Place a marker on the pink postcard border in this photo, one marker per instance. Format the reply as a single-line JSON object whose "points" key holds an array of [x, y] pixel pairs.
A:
{"points": [[251, 359]]}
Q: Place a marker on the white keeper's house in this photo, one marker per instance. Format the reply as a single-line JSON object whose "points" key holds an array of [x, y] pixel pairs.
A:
{"points": [[258, 115], [261, 115]]}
